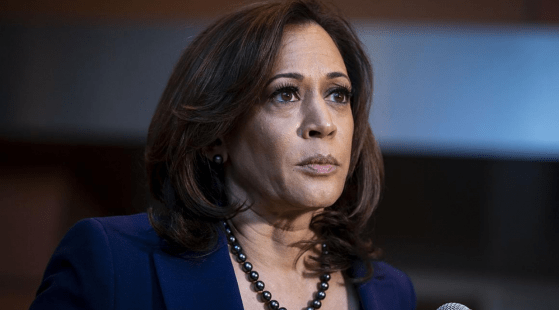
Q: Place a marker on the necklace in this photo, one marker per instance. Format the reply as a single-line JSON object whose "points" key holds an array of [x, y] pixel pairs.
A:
{"points": [[266, 296]]}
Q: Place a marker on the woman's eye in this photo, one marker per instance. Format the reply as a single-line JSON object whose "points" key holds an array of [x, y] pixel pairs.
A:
{"points": [[285, 95], [339, 96]]}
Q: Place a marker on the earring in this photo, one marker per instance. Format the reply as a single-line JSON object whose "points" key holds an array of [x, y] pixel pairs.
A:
{"points": [[218, 159]]}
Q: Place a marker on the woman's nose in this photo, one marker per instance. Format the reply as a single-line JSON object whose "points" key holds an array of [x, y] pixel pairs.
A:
{"points": [[317, 119]]}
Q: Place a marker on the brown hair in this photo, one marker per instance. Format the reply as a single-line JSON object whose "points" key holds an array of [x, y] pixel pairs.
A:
{"points": [[212, 87]]}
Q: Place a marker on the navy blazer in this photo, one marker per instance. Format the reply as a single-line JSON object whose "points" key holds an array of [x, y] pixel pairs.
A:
{"points": [[120, 263]]}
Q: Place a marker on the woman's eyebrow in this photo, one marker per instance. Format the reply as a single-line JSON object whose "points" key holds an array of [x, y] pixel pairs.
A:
{"points": [[333, 75], [293, 75], [298, 76]]}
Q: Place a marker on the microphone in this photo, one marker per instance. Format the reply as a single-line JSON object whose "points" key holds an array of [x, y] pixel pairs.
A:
{"points": [[453, 306]]}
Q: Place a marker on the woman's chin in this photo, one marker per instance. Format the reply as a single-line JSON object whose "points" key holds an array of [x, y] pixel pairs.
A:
{"points": [[316, 198], [319, 192]]}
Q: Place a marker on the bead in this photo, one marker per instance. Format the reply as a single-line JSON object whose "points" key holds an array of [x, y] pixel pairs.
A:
{"points": [[267, 296], [236, 249], [274, 305], [247, 267], [218, 159], [253, 276], [241, 257], [259, 286]]}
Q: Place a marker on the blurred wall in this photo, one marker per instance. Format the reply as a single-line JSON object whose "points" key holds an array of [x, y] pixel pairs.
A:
{"points": [[465, 106]]}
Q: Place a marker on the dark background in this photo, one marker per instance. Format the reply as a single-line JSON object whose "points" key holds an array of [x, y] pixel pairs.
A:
{"points": [[480, 230]]}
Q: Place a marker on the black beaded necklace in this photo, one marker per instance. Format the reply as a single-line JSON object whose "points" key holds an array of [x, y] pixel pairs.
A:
{"points": [[266, 296]]}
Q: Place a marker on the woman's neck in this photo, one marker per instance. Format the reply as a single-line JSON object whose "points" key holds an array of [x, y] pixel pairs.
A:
{"points": [[271, 241], [269, 245]]}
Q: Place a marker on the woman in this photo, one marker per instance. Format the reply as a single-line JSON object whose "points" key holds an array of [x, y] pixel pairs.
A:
{"points": [[262, 156]]}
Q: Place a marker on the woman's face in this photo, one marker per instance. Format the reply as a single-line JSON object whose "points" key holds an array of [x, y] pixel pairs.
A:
{"points": [[292, 154]]}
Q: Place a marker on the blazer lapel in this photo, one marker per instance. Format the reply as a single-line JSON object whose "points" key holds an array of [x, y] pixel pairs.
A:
{"points": [[203, 282], [368, 291]]}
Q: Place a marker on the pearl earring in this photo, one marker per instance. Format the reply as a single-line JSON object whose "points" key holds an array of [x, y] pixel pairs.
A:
{"points": [[218, 159]]}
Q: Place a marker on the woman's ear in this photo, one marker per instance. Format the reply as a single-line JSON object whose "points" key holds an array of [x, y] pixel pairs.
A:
{"points": [[215, 150]]}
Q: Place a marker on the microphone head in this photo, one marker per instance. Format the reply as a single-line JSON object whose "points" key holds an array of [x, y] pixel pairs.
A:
{"points": [[453, 306]]}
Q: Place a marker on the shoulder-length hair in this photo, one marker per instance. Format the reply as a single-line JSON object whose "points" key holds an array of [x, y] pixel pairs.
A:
{"points": [[216, 82]]}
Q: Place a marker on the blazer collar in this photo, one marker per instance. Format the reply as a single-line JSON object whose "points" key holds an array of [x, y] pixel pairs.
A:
{"points": [[203, 282], [209, 281], [368, 291]]}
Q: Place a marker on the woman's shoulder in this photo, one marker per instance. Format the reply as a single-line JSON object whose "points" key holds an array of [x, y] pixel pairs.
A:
{"points": [[386, 271], [132, 228], [115, 236], [135, 222], [97, 257], [388, 288]]}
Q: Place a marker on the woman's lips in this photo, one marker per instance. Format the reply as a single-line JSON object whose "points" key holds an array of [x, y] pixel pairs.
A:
{"points": [[319, 164], [321, 168], [318, 169]]}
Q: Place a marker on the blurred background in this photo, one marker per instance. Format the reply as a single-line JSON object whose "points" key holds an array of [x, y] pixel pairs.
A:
{"points": [[466, 108]]}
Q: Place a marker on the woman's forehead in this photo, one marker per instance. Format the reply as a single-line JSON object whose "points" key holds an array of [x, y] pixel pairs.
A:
{"points": [[308, 46]]}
